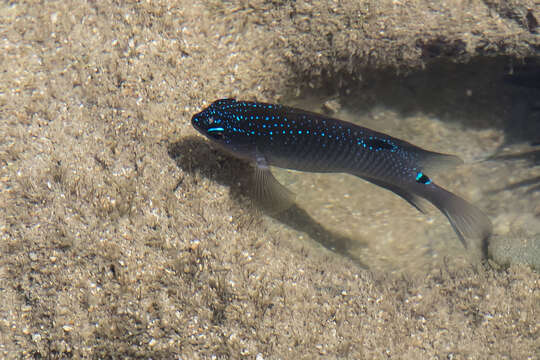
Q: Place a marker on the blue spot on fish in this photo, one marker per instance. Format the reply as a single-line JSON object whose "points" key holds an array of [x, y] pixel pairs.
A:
{"points": [[422, 179]]}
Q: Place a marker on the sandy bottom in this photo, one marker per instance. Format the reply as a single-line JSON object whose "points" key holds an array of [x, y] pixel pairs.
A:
{"points": [[126, 234]]}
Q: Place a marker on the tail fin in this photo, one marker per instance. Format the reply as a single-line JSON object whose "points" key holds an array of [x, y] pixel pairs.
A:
{"points": [[466, 219]]}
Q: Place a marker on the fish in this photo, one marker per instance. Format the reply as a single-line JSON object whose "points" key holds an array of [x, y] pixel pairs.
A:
{"points": [[275, 135]]}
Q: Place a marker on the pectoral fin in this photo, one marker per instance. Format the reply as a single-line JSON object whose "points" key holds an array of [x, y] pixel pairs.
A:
{"points": [[271, 195]]}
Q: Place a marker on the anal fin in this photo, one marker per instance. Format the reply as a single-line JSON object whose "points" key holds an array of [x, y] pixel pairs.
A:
{"points": [[416, 201]]}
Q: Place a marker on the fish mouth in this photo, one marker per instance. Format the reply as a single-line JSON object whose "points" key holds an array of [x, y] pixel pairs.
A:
{"points": [[195, 122], [202, 130]]}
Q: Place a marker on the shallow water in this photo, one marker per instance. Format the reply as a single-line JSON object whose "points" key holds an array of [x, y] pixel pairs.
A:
{"points": [[383, 232]]}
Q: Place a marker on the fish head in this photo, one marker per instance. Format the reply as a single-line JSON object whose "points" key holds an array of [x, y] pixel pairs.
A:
{"points": [[221, 123]]}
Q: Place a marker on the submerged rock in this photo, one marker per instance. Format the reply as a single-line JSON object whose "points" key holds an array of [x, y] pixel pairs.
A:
{"points": [[517, 241]]}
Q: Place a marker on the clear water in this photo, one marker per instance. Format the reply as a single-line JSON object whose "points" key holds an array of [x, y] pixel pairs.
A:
{"points": [[379, 230]]}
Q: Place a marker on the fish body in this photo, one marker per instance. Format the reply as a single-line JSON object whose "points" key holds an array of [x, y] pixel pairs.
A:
{"points": [[276, 135]]}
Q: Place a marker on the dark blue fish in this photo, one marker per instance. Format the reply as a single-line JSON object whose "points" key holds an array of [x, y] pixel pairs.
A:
{"points": [[276, 135]]}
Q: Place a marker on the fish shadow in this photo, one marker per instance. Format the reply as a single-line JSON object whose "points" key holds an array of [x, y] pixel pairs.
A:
{"points": [[532, 184], [194, 155]]}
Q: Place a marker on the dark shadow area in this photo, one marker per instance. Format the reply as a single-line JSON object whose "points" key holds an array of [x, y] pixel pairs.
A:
{"points": [[194, 154], [534, 184], [530, 155], [498, 92], [533, 156], [300, 220]]}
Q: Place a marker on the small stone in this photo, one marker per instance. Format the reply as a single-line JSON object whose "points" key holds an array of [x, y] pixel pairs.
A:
{"points": [[194, 244], [332, 106], [67, 328], [33, 256]]}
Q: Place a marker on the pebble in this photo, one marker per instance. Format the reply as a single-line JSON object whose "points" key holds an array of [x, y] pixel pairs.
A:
{"points": [[332, 106]]}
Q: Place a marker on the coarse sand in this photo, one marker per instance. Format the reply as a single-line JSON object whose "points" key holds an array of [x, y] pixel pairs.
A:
{"points": [[124, 234]]}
